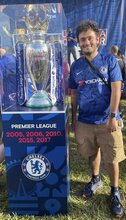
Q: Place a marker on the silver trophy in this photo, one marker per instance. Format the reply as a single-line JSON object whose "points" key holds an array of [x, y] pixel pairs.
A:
{"points": [[37, 56]]}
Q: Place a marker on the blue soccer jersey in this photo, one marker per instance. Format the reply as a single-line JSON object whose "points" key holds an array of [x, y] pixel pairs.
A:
{"points": [[71, 43], [93, 94]]}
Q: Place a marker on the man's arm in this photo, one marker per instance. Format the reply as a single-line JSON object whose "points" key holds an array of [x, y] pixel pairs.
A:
{"points": [[1, 85], [74, 107], [114, 103], [73, 39]]}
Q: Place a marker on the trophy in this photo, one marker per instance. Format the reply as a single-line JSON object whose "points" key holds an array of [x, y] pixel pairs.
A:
{"points": [[37, 56]]}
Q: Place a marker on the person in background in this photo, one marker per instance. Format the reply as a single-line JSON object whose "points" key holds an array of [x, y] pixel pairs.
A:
{"points": [[122, 57], [71, 43], [123, 70], [8, 69], [117, 53], [1, 95], [96, 97]]}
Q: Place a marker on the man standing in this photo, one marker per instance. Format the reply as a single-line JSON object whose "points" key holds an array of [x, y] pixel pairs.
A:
{"points": [[2, 52], [97, 94], [116, 52], [1, 143], [72, 43]]}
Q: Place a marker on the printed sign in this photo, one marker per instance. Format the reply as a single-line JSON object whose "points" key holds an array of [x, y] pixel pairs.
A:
{"points": [[103, 37], [36, 162]]}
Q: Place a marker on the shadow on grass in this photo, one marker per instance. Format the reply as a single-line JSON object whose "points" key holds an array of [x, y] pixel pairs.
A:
{"points": [[96, 208], [77, 188]]}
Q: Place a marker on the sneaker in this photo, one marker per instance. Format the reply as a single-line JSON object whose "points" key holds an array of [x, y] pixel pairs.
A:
{"points": [[116, 206], [91, 187]]}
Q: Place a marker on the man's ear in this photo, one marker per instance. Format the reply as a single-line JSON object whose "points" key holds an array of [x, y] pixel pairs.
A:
{"points": [[98, 41]]}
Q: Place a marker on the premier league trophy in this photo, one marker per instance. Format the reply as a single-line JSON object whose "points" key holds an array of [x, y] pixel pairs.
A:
{"points": [[37, 56]]}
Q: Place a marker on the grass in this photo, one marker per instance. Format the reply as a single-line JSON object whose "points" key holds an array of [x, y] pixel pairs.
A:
{"points": [[96, 208]]}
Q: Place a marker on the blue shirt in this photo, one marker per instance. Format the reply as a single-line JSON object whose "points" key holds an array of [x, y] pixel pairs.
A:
{"points": [[8, 70], [1, 87], [71, 43], [93, 94]]}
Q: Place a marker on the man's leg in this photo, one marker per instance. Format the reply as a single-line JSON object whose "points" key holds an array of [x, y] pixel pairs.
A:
{"points": [[88, 148], [116, 206], [95, 161], [95, 183], [113, 172], [73, 51], [69, 52]]}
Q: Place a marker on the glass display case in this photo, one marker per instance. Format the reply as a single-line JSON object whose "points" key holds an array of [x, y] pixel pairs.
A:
{"points": [[34, 40], [34, 111]]}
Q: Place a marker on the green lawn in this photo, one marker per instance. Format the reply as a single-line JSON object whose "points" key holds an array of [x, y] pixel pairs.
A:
{"points": [[96, 208]]}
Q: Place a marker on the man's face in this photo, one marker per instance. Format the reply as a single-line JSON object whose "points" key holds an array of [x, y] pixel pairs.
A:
{"points": [[2, 8], [69, 30], [88, 42]]}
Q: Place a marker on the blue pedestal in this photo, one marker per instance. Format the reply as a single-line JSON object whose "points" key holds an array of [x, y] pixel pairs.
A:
{"points": [[36, 155]]}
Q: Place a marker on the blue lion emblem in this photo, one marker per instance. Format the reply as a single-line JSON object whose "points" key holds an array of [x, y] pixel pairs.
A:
{"points": [[36, 167]]}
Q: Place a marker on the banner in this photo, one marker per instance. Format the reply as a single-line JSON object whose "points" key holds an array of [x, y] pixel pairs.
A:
{"points": [[110, 15]]}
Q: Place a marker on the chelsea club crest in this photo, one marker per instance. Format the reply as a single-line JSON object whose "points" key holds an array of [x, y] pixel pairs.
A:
{"points": [[103, 70], [36, 167]]}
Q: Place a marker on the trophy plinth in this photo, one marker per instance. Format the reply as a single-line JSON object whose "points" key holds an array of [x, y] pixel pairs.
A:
{"points": [[39, 99], [37, 61]]}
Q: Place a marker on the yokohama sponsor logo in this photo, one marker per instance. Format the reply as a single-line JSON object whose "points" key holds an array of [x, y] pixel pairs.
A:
{"points": [[92, 81]]}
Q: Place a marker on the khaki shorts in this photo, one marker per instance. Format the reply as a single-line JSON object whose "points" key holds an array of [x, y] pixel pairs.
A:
{"points": [[91, 138]]}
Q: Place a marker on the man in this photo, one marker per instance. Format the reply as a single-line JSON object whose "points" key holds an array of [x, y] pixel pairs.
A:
{"points": [[1, 94], [8, 69], [5, 27], [1, 143], [72, 43], [97, 128], [117, 53]]}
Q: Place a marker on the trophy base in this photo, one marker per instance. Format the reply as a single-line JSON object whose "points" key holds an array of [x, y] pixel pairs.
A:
{"points": [[39, 99]]}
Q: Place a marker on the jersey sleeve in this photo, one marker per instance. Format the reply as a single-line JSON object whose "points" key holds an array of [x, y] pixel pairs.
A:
{"points": [[72, 83], [114, 70]]}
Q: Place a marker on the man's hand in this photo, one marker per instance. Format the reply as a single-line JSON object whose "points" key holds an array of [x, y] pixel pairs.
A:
{"points": [[112, 124], [71, 39], [73, 108], [2, 52]]}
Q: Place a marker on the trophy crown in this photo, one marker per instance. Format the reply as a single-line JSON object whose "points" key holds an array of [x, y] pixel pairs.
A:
{"points": [[36, 19]]}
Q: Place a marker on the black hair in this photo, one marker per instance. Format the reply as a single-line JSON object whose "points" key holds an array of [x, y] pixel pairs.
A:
{"points": [[85, 26], [119, 52]]}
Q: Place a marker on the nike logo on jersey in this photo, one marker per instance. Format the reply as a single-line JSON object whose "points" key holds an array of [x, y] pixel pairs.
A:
{"points": [[79, 73]]}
